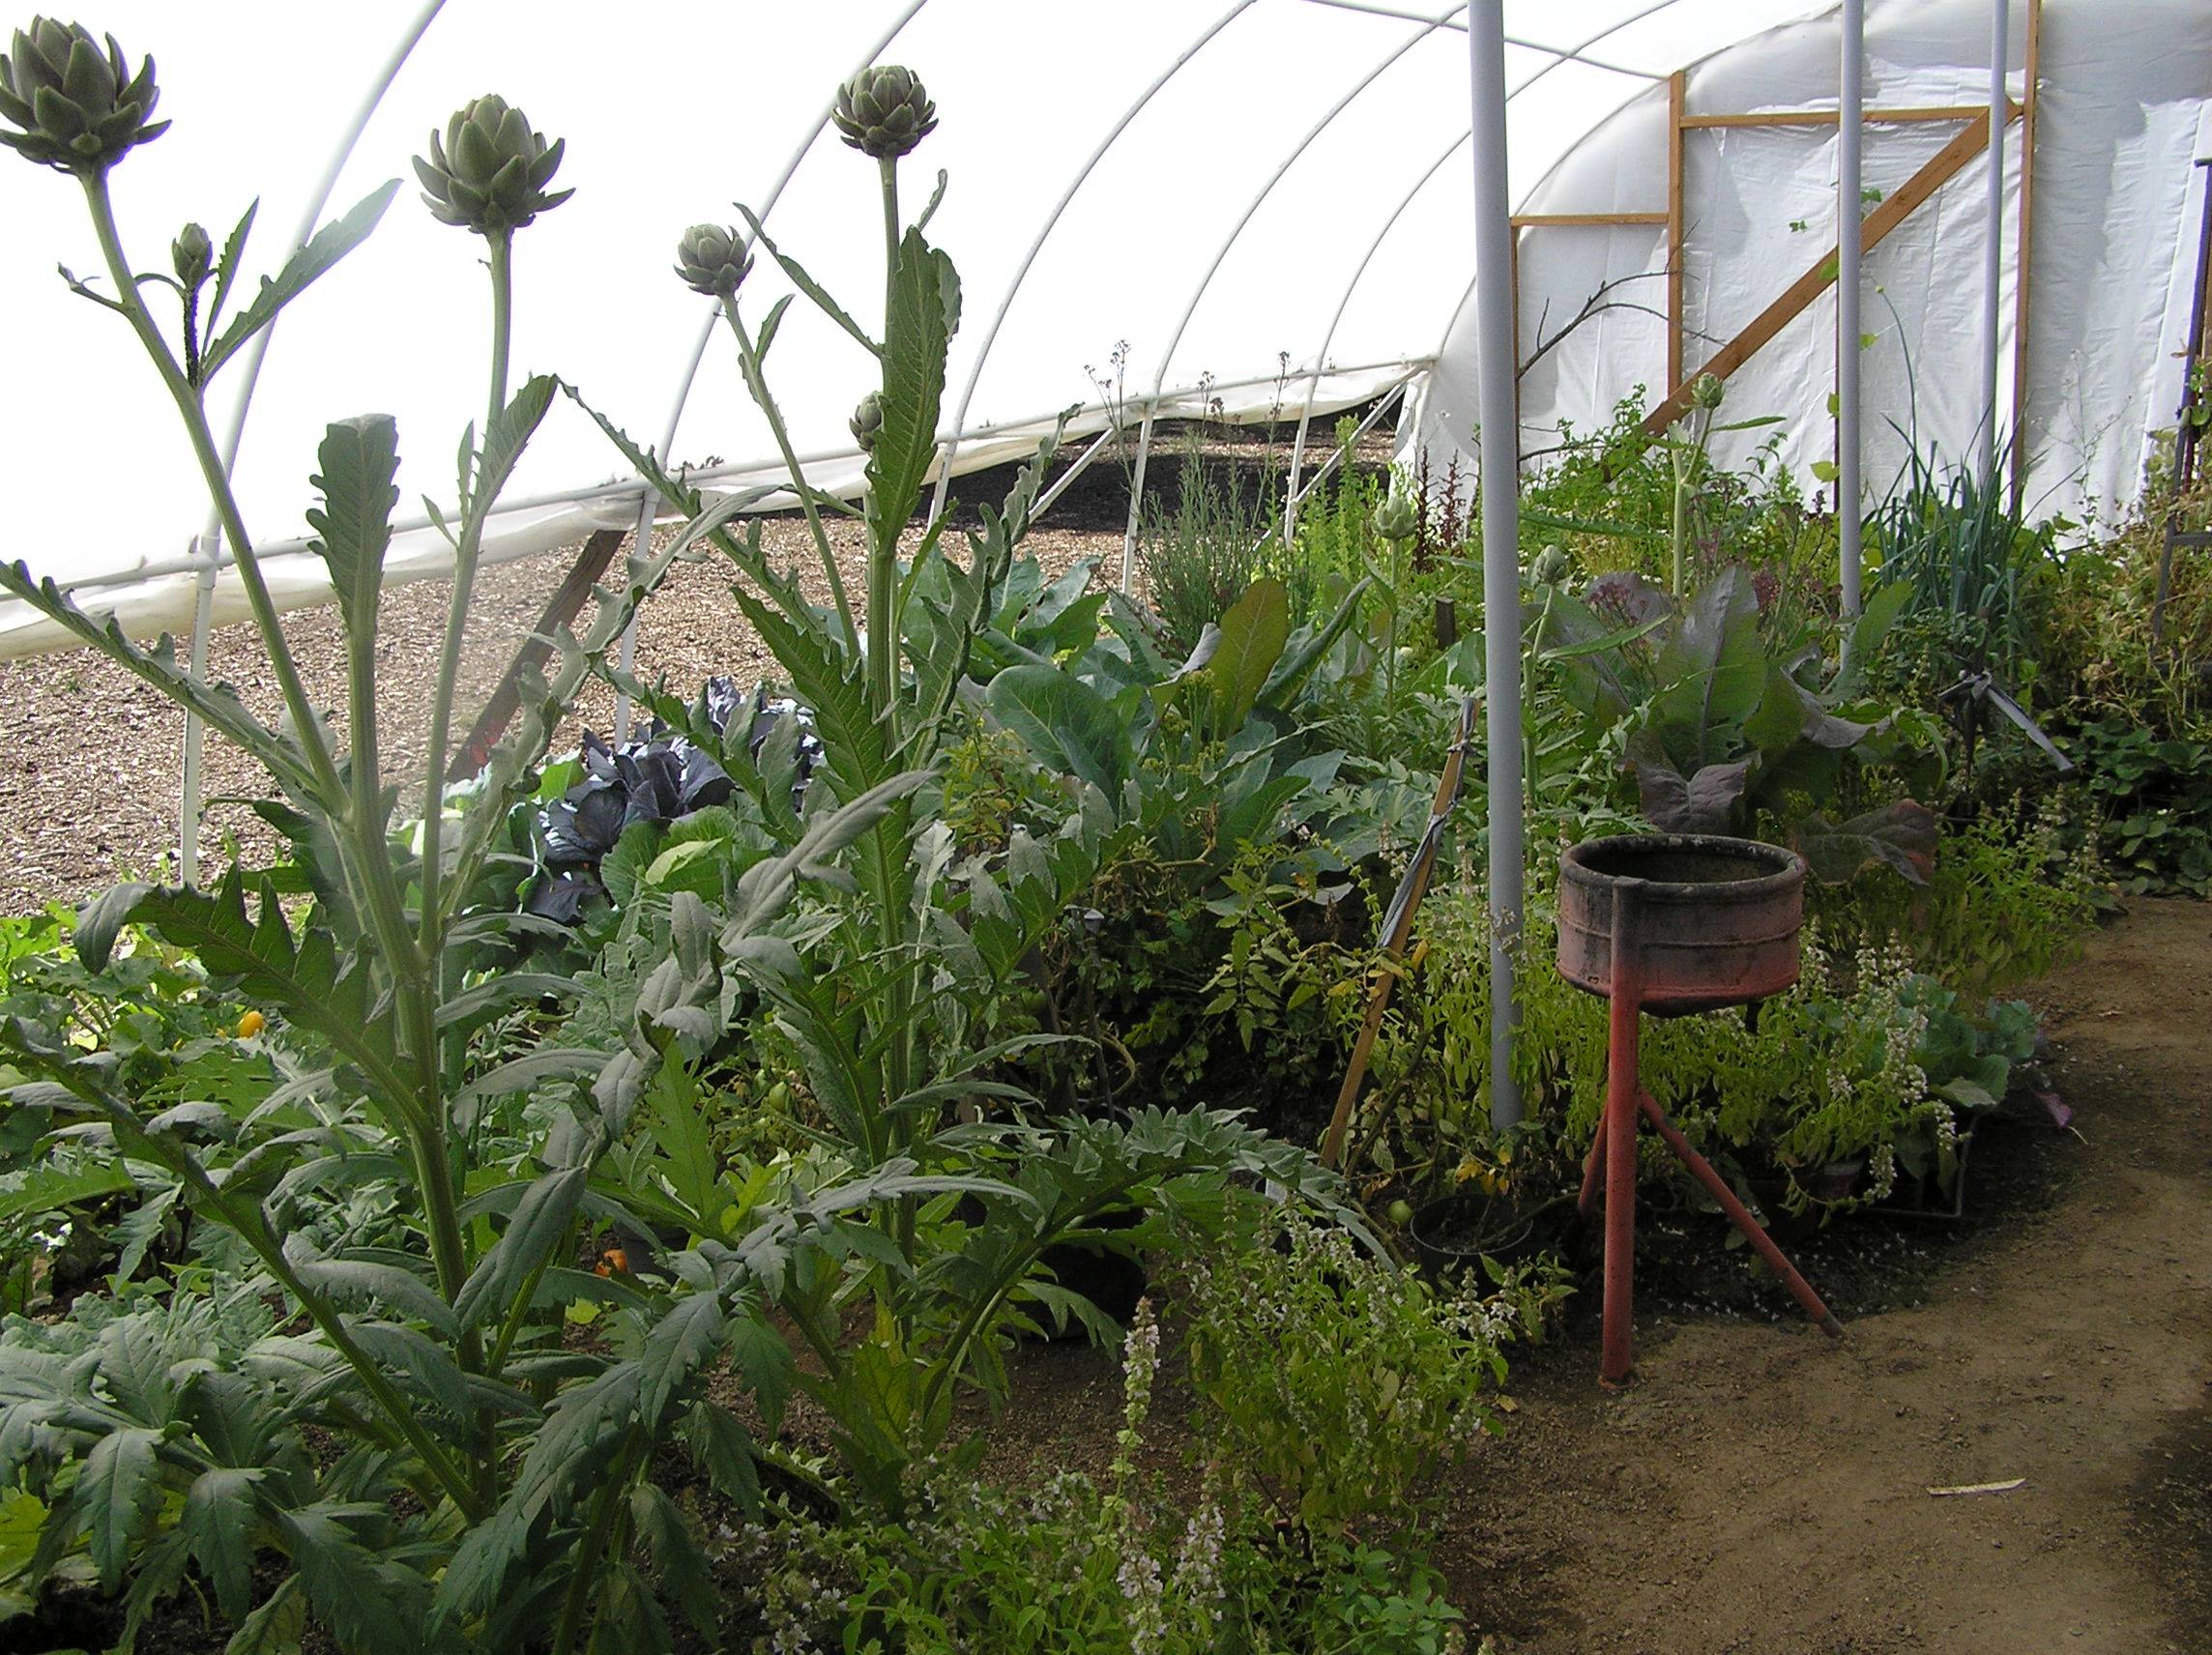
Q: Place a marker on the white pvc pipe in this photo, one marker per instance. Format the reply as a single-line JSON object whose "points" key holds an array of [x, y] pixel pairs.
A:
{"points": [[1045, 229], [1429, 26], [209, 547], [1848, 133], [1382, 405], [1992, 255], [1495, 362], [647, 505], [1060, 486]]}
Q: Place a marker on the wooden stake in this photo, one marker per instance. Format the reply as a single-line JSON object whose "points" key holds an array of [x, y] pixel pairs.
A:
{"points": [[561, 610], [1416, 886]]}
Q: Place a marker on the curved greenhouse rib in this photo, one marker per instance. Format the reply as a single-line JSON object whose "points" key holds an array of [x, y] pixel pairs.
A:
{"points": [[642, 536], [1198, 294], [1321, 357], [1045, 230], [1574, 54], [1459, 309], [211, 535]]}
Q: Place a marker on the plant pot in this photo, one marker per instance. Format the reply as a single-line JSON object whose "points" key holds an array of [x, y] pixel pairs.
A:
{"points": [[1718, 919], [1838, 1181], [1458, 1230]]}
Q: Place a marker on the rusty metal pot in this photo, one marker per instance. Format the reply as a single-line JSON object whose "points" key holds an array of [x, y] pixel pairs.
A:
{"points": [[1717, 918]]}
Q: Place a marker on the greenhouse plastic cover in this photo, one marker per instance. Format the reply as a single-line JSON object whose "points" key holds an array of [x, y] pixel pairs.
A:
{"points": [[1269, 200], [2116, 213]]}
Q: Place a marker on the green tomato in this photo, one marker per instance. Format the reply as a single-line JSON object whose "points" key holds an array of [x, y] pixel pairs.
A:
{"points": [[1400, 1213]]}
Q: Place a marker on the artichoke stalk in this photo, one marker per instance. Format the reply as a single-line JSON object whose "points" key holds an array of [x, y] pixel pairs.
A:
{"points": [[488, 175], [80, 109]]}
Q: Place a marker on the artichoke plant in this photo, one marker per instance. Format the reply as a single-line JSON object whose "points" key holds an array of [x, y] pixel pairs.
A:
{"points": [[866, 421], [712, 260], [79, 109], [1397, 518], [191, 256], [490, 172], [1706, 390], [884, 111]]}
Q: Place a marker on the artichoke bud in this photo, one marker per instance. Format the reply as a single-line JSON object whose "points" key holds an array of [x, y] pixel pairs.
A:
{"points": [[79, 108], [868, 419], [1397, 518], [884, 111], [1551, 567], [1707, 390], [490, 171], [193, 256], [712, 260]]}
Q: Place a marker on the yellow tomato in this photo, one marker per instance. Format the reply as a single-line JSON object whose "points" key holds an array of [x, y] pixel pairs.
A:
{"points": [[250, 1024]]}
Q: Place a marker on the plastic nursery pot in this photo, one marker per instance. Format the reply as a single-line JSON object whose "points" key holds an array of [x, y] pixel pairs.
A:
{"points": [[1718, 919], [1838, 1181], [1451, 1232]]}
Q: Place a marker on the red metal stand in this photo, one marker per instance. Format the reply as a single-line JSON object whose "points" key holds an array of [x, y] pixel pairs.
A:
{"points": [[1613, 1155]]}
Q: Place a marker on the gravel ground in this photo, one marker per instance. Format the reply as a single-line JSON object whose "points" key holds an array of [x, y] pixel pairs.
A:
{"points": [[89, 782]]}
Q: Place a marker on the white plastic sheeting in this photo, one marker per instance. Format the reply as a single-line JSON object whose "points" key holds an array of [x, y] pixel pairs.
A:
{"points": [[1351, 247], [2122, 88]]}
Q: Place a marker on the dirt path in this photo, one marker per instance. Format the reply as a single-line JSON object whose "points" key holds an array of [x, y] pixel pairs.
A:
{"points": [[1762, 1490]]}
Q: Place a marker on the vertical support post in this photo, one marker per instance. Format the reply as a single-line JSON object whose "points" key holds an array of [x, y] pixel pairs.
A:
{"points": [[2023, 255], [1992, 251], [1618, 1129], [188, 799], [1501, 481], [1677, 97], [1849, 131], [1137, 497]]}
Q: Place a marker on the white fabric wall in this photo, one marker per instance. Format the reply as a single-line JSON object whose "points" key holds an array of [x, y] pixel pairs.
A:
{"points": [[2114, 247]]}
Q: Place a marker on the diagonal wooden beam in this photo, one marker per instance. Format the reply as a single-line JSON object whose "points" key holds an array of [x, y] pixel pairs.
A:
{"points": [[561, 610], [1898, 206]]}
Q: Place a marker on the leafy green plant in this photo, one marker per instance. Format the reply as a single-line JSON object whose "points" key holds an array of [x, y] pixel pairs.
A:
{"points": [[1121, 1566], [1974, 574], [1719, 729], [2011, 896], [2153, 799], [1338, 1386], [898, 992], [1838, 1067]]}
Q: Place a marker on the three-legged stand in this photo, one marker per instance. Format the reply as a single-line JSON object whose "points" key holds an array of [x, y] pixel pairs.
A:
{"points": [[1613, 1158]]}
